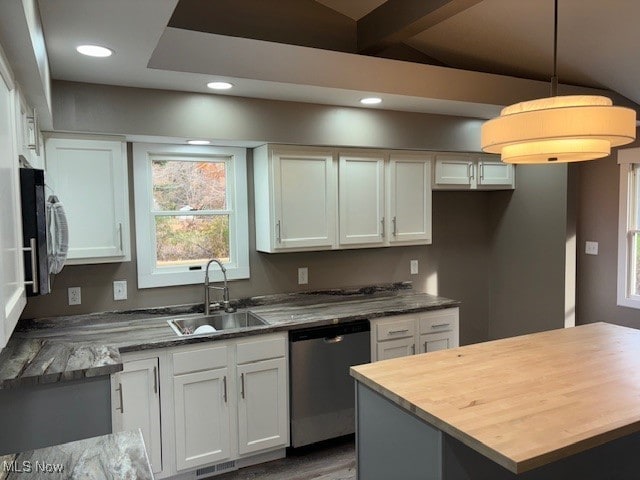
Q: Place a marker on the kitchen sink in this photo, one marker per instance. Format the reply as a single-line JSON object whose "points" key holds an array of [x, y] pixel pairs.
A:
{"points": [[203, 324]]}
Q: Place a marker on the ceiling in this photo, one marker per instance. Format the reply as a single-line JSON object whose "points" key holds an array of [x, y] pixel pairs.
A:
{"points": [[336, 51]]}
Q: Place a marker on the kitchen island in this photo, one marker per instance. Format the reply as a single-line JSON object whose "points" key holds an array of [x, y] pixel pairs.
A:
{"points": [[557, 404]]}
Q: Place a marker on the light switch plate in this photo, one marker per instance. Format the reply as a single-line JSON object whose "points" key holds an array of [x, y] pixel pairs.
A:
{"points": [[120, 290], [75, 295], [591, 248], [414, 267], [303, 276]]}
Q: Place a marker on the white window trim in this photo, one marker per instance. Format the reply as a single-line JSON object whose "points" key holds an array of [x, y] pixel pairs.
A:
{"points": [[626, 158], [148, 275]]}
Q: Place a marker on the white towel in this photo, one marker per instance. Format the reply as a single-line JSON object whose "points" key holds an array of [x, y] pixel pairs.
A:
{"points": [[58, 236]]}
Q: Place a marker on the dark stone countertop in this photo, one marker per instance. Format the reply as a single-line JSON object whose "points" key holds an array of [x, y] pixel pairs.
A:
{"points": [[118, 455], [66, 348]]}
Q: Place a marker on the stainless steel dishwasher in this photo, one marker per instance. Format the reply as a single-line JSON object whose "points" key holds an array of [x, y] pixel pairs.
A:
{"points": [[322, 391]]}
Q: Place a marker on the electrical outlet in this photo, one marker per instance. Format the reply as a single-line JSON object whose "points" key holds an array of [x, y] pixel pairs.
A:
{"points": [[120, 290], [591, 248], [414, 267], [303, 276], [75, 296]]}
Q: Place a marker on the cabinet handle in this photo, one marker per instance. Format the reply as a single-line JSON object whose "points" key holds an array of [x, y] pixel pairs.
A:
{"points": [[242, 385], [382, 223], [33, 249], [224, 383], [391, 332], [471, 174], [425, 347], [394, 226], [155, 380], [120, 235], [119, 389], [481, 171], [413, 349], [440, 325], [278, 236]]}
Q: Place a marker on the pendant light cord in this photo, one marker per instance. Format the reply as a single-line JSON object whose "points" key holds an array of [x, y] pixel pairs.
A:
{"points": [[554, 79]]}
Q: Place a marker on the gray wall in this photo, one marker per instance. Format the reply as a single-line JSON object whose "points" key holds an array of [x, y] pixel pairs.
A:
{"points": [[598, 194], [527, 283], [500, 253]]}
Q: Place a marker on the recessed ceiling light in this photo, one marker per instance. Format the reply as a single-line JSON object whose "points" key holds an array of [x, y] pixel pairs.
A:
{"points": [[198, 142], [219, 85], [94, 50], [371, 101]]}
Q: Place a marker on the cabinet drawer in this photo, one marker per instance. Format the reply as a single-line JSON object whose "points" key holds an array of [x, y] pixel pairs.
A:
{"points": [[200, 359], [396, 329], [260, 349], [438, 322]]}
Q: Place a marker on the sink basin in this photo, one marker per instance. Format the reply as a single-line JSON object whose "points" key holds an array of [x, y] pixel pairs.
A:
{"points": [[201, 324]]}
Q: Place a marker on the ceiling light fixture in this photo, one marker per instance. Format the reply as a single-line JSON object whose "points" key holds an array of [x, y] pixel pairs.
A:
{"points": [[371, 101], [94, 51], [219, 85], [568, 128], [198, 142]]}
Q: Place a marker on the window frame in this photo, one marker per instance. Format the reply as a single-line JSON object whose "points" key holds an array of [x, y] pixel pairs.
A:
{"points": [[150, 276], [629, 160]]}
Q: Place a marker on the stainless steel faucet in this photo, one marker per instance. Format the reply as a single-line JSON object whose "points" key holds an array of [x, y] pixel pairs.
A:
{"points": [[207, 288]]}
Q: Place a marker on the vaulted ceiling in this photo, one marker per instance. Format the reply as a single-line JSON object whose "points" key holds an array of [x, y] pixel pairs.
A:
{"points": [[332, 51]]}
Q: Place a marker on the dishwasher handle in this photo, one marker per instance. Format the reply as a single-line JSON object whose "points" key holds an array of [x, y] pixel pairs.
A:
{"points": [[329, 331], [331, 340]]}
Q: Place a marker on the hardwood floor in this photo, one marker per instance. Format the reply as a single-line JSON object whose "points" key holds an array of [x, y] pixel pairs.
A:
{"points": [[333, 460]]}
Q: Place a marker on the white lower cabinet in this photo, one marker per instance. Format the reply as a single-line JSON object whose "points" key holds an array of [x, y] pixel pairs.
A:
{"points": [[402, 347], [135, 394], [202, 420], [262, 408], [206, 408], [422, 332]]}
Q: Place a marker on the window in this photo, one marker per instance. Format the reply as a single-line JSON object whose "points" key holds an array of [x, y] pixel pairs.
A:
{"points": [[191, 206], [629, 229]]}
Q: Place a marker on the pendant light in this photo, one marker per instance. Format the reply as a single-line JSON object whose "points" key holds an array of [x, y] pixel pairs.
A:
{"points": [[570, 128]]}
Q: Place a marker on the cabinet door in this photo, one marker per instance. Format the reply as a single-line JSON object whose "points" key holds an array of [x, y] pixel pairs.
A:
{"points": [[262, 405], [90, 179], [361, 193], [495, 174], [304, 199], [395, 349], [409, 200], [135, 400], [436, 341], [201, 418], [454, 171], [12, 288]]}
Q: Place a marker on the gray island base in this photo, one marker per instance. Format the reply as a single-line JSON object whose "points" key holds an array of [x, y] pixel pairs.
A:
{"points": [[391, 442]]}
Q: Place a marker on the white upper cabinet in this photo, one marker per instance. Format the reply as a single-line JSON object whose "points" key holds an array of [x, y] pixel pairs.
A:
{"points": [[295, 199], [310, 198], [361, 187], [89, 177], [494, 173], [28, 136], [409, 199], [12, 288], [472, 172], [454, 170]]}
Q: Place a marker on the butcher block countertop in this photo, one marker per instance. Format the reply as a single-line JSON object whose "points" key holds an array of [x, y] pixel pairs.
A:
{"points": [[526, 401]]}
